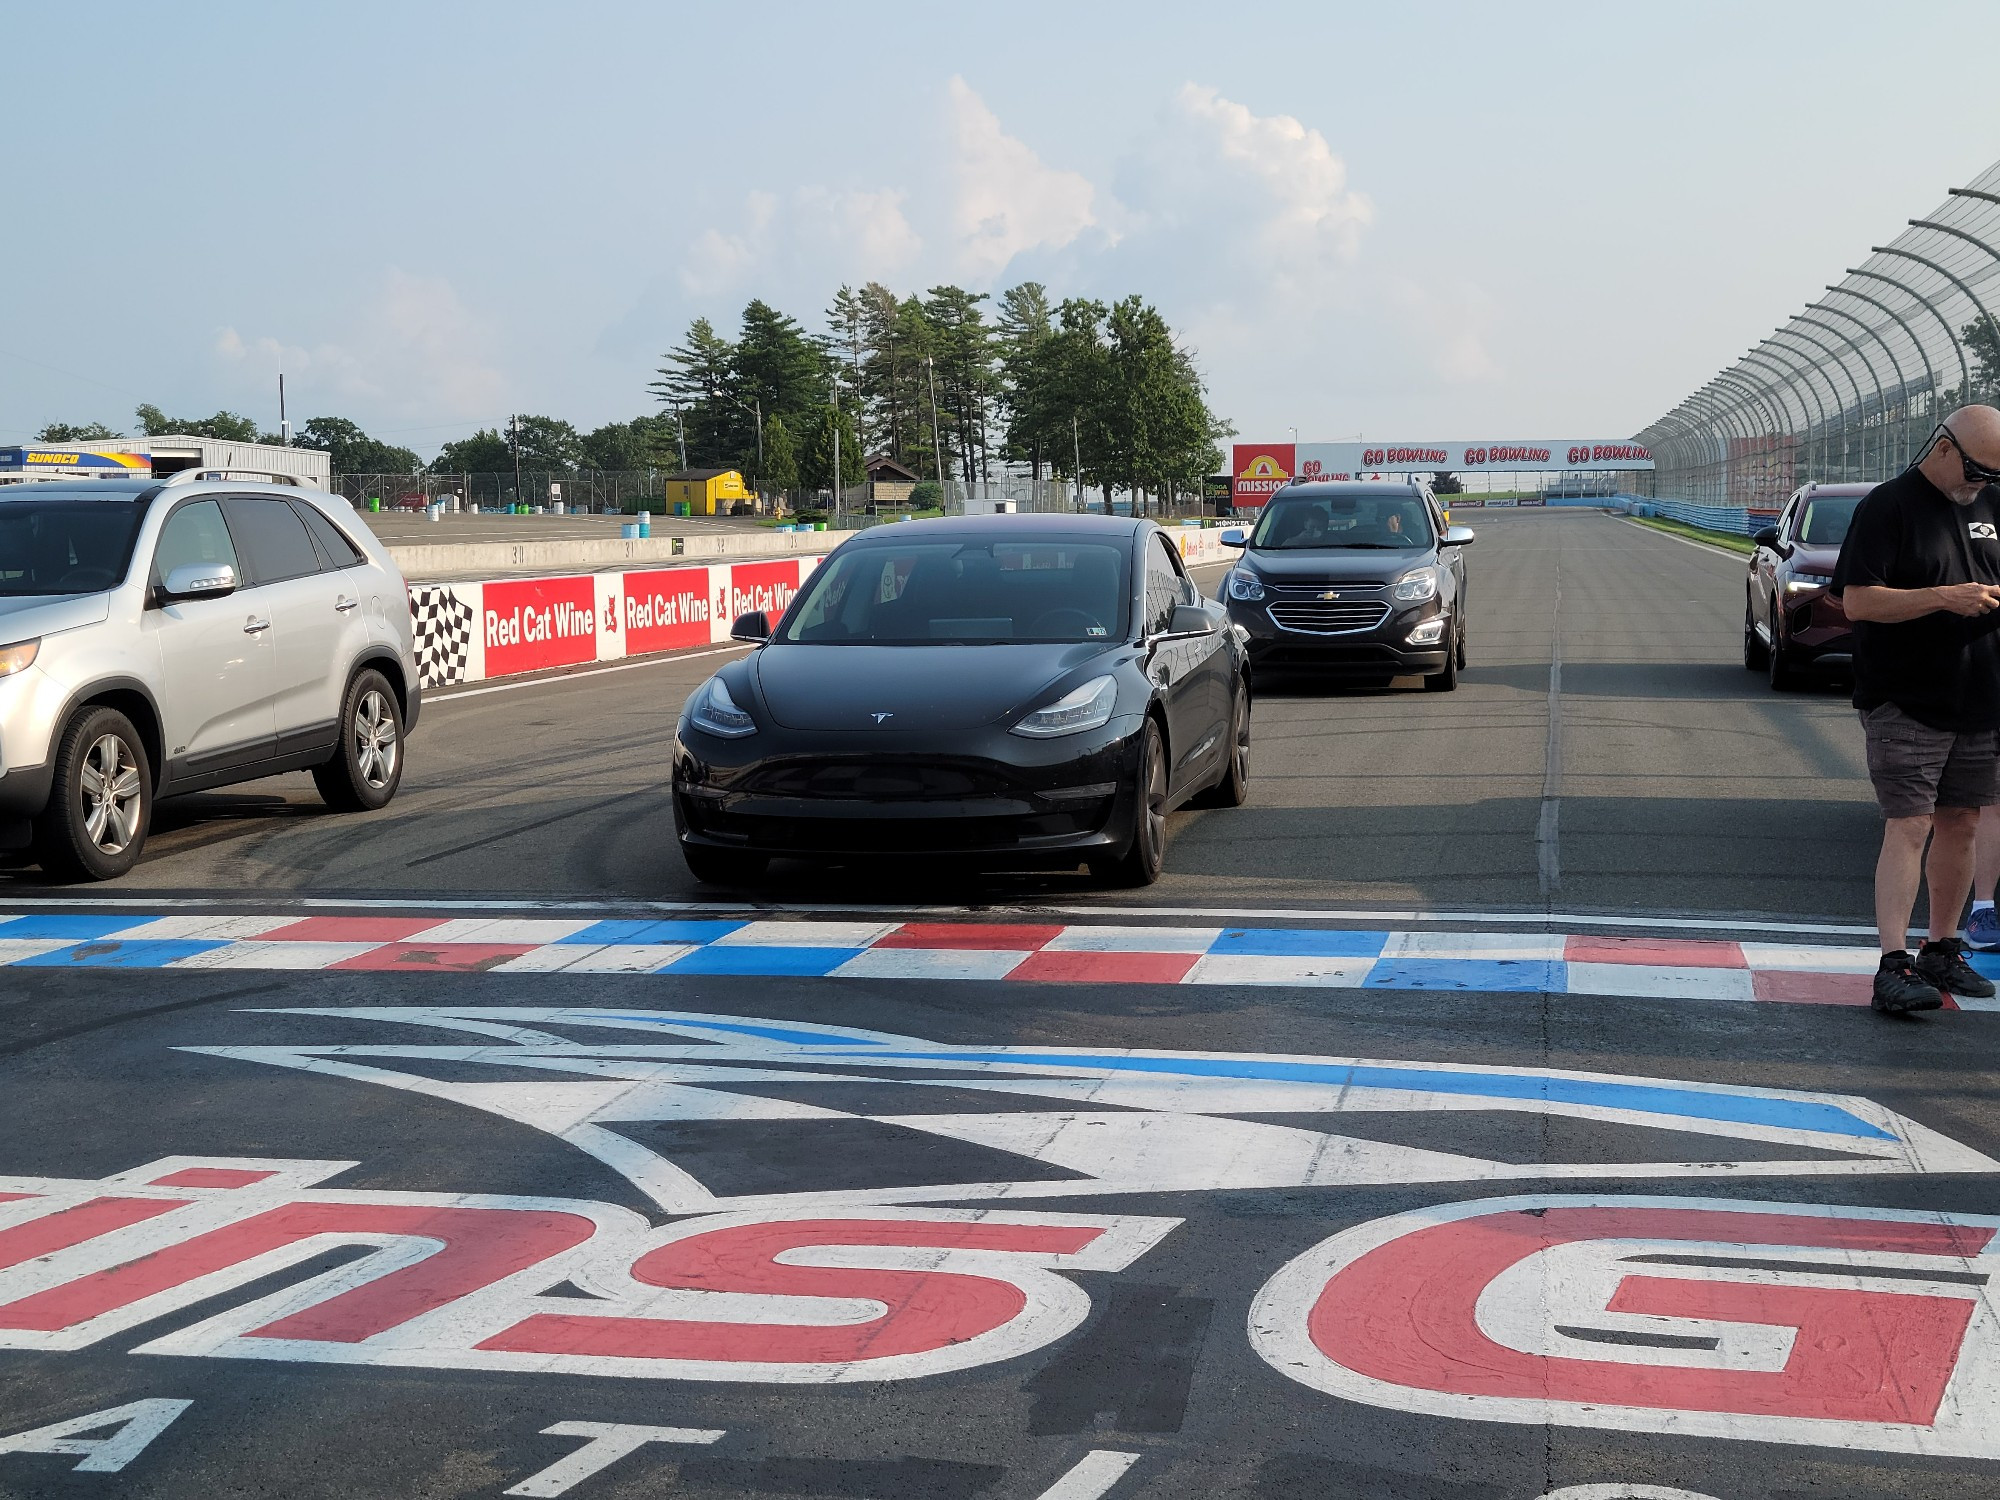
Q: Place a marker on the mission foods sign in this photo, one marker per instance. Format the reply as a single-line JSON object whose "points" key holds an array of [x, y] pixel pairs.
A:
{"points": [[1258, 470]]}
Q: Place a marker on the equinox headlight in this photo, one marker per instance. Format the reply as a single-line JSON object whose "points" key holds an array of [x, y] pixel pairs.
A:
{"points": [[1245, 585], [716, 713], [1414, 588], [1088, 707], [19, 657]]}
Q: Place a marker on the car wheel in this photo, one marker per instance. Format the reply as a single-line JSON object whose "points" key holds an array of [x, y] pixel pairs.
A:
{"points": [[1778, 661], [728, 867], [1447, 680], [1461, 645], [366, 767], [1142, 861], [1753, 647], [101, 800], [1233, 789]]}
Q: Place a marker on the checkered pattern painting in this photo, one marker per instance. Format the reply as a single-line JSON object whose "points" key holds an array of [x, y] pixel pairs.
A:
{"points": [[444, 633]]}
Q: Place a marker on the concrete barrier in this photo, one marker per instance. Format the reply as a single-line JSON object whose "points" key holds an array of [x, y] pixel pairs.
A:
{"points": [[427, 561]]}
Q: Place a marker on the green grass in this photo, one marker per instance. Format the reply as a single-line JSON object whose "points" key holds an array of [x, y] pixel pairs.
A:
{"points": [[1726, 539]]}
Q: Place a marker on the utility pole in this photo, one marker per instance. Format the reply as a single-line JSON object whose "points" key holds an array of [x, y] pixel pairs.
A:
{"points": [[937, 448], [680, 430], [514, 438], [1076, 453], [284, 427]]}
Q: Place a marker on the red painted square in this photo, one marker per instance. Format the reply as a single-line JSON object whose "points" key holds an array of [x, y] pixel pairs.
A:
{"points": [[1105, 968], [211, 1177], [968, 936], [450, 958], [1691, 953], [1798, 988], [350, 930]]}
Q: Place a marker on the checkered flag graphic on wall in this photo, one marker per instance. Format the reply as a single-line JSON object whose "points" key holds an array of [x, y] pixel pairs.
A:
{"points": [[444, 633]]}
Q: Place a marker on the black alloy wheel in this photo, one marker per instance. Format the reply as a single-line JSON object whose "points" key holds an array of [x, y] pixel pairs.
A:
{"points": [[1447, 680], [366, 767], [1142, 862], [1753, 647], [100, 802], [1233, 788], [724, 867], [1778, 661]]}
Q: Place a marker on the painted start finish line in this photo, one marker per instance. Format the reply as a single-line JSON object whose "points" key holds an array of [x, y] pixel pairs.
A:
{"points": [[1027, 952]]}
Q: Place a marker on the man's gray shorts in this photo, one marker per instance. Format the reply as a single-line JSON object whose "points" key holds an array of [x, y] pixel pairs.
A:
{"points": [[1916, 768]]}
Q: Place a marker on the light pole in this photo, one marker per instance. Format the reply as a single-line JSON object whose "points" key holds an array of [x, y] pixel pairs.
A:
{"points": [[833, 384], [1076, 453], [937, 447], [756, 409], [514, 440], [680, 431]]}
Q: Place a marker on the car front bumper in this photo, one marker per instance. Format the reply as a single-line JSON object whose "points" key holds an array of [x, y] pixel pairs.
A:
{"points": [[1379, 650], [981, 795]]}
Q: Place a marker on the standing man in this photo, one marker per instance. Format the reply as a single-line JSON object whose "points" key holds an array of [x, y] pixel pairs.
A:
{"points": [[1919, 576]]}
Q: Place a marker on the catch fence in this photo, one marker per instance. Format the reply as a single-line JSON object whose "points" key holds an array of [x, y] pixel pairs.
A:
{"points": [[1850, 389]]}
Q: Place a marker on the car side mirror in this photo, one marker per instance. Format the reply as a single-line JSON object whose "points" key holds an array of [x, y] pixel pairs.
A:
{"points": [[755, 626], [1459, 536], [1235, 536], [1768, 537], [1191, 619], [198, 581]]}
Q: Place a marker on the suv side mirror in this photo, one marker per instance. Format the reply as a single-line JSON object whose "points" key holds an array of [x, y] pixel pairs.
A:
{"points": [[1235, 536], [1768, 537], [755, 626], [198, 581], [1191, 619], [1459, 536]]}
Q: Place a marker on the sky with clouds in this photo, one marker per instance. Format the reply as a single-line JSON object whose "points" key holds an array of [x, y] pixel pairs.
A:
{"points": [[1398, 221]]}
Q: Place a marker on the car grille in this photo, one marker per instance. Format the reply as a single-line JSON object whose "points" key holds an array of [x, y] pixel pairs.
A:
{"points": [[872, 781], [1322, 617]]}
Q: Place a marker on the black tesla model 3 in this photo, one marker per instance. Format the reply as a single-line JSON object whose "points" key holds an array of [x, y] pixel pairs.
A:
{"points": [[1007, 692]]}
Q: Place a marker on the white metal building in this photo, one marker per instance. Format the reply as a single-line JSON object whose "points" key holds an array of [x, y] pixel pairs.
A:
{"points": [[160, 456]]}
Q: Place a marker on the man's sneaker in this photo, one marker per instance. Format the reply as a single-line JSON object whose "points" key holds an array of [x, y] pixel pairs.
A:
{"points": [[1900, 988], [1982, 929], [1943, 964]]}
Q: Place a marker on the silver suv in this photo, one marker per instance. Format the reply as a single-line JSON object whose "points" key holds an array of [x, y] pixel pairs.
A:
{"points": [[159, 637]]}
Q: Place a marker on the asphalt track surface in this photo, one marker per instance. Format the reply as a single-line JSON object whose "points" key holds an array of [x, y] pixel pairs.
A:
{"points": [[1232, 1293]]}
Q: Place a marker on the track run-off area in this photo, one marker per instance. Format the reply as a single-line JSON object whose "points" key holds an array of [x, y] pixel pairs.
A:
{"points": [[1488, 1110]]}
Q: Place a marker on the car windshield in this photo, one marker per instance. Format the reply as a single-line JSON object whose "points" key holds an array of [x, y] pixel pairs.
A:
{"points": [[969, 592], [1827, 519], [1393, 520], [55, 546]]}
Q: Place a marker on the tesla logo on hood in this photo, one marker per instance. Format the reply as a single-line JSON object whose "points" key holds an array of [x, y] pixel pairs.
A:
{"points": [[878, 718]]}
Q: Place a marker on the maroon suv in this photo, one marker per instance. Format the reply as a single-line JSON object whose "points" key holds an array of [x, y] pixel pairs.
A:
{"points": [[1790, 621]]}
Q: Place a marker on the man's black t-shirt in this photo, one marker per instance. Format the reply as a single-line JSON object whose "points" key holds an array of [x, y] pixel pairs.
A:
{"points": [[1941, 669]]}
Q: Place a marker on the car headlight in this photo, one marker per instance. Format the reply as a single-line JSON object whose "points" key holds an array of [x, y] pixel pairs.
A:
{"points": [[1428, 634], [1088, 707], [1802, 583], [716, 713], [1414, 588], [19, 657], [1245, 585]]}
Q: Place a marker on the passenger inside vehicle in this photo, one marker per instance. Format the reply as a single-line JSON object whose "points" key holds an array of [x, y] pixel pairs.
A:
{"points": [[1393, 520]]}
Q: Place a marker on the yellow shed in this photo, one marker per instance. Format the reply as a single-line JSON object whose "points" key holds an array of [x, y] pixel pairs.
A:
{"points": [[707, 492]]}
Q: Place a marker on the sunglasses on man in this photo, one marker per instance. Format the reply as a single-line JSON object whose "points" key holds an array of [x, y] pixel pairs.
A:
{"points": [[1975, 471]]}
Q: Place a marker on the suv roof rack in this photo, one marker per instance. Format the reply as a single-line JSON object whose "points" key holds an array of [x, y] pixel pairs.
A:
{"points": [[267, 476]]}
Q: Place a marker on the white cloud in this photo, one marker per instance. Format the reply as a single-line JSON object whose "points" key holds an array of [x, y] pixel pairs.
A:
{"points": [[830, 234], [1006, 199], [1453, 323], [415, 348]]}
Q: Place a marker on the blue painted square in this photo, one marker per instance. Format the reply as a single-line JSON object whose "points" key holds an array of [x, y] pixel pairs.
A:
{"points": [[1290, 942], [147, 953], [1525, 975], [749, 958], [1982, 963], [75, 928], [624, 930]]}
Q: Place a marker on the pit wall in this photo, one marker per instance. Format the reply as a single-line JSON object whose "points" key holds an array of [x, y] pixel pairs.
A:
{"points": [[502, 627]]}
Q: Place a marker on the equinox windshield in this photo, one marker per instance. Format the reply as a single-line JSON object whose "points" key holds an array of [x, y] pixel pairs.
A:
{"points": [[1393, 520], [55, 546], [965, 592]]}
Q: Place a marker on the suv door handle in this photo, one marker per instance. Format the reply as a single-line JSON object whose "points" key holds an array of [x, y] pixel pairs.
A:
{"points": [[255, 626], [344, 604]]}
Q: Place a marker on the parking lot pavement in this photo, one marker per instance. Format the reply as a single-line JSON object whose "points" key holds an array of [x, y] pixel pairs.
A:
{"points": [[417, 1209]]}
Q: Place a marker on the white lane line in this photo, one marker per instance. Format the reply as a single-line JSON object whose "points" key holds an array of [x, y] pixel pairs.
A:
{"points": [[1736, 557], [997, 912], [1093, 1477], [665, 659], [1548, 850]]}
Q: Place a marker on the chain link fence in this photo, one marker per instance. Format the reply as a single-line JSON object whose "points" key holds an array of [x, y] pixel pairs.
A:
{"points": [[1850, 389]]}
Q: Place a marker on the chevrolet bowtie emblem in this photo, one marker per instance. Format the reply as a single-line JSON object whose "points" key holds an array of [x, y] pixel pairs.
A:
{"points": [[1329, 595]]}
